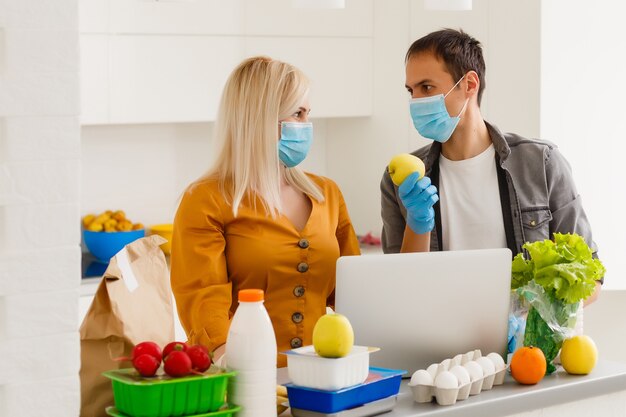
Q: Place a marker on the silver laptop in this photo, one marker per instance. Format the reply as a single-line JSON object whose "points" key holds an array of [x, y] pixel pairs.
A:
{"points": [[421, 308]]}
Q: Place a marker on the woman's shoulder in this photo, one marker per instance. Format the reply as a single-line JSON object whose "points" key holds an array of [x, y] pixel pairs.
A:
{"points": [[321, 180], [203, 191], [205, 185], [328, 186], [200, 201]]}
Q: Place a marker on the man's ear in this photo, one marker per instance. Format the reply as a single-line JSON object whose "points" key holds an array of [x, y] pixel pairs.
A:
{"points": [[473, 83]]}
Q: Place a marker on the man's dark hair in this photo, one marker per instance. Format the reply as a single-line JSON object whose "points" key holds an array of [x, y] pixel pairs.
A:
{"points": [[458, 50]]}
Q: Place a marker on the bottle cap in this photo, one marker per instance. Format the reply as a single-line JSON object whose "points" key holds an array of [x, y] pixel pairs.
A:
{"points": [[251, 295]]}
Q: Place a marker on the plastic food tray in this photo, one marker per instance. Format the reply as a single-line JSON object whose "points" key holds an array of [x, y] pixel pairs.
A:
{"points": [[370, 409], [380, 383], [228, 412], [307, 369], [163, 396]]}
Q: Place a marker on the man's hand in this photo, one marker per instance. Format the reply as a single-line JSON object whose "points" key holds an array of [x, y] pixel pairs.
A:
{"points": [[419, 197]]}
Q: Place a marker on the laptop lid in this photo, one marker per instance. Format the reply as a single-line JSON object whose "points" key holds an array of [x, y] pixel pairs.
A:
{"points": [[421, 308]]}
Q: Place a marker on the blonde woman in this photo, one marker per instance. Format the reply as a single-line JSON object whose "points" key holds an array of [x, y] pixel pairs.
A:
{"points": [[256, 220]]}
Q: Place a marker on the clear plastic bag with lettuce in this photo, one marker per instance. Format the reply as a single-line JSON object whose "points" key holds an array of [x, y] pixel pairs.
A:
{"points": [[552, 282]]}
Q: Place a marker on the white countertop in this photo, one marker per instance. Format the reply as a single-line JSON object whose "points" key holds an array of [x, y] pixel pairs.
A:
{"points": [[513, 398]]}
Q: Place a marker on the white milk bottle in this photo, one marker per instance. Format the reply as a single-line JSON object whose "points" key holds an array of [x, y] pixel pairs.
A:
{"points": [[251, 352]]}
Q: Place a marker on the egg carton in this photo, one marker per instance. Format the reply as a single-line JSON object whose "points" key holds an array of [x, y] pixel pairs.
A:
{"points": [[455, 379]]}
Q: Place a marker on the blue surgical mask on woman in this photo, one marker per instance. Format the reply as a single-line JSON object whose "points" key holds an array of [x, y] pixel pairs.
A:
{"points": [[431, 118], [295, 141]]}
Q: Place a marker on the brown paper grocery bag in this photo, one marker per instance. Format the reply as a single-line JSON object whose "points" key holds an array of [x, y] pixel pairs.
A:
{"points": [[133, 304]]}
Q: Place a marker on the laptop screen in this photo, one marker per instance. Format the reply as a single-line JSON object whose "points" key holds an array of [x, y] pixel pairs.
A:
{"points": [[422, 308]]}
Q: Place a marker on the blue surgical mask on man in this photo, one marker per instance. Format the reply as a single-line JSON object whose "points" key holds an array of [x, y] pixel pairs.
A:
{"points": [[295, 142], [431, 118]]}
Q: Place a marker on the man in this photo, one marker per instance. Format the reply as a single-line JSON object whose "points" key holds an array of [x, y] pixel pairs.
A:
{"points": [[495, 189]]}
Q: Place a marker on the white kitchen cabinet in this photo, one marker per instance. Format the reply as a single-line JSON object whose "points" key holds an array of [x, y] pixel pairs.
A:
{"points": [[340, 70], [218, 17], [94, 78], [169, 78], [148, 61], [198, 17], [279, 18]]}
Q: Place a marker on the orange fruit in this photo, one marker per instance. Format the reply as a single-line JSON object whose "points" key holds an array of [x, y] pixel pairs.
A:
{"points": [[528, 365]]}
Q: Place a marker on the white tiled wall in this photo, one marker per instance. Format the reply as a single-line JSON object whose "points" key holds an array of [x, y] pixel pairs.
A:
{"points": [[39, 208]]}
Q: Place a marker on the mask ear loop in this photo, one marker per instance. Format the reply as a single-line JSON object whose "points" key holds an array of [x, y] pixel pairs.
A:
{"points": [[466, 101], [457, 83], [463, 109]]}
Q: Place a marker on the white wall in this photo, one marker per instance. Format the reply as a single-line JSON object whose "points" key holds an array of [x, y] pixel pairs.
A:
{"points": [[603, 322], [141, 169], [39, 208], [582, 109]]}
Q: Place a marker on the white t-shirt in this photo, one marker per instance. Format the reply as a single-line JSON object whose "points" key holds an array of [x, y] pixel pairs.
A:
{"points": [[471, 213]]}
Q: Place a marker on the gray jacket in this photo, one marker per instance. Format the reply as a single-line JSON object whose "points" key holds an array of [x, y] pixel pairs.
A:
{"points": [[537, 193]]}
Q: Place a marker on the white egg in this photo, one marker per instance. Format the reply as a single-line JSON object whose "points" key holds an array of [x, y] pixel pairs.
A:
{"points": [[469, 356], [461, 374], [421, 377], [433, 370], [497, 361], [446, 364], [446, 380], [475, 370], [457, 360], [487, 365]]}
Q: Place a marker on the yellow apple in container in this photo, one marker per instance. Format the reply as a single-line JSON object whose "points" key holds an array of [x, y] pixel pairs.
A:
{"points": [[333, 336], [403, 165]]}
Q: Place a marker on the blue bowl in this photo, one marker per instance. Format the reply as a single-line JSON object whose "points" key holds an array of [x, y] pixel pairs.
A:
{"points": [[105, 245]]}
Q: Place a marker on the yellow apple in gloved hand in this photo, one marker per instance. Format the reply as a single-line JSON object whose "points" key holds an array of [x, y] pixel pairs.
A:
{"points": [[403, 165], [333, 336], [579, 355]]}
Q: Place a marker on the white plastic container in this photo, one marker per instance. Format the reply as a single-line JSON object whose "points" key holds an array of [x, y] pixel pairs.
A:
{"points": [[307, 369], [251, 352]]}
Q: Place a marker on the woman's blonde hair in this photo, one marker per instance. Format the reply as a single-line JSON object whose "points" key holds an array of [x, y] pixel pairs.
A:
{"points": [[258, 93]]}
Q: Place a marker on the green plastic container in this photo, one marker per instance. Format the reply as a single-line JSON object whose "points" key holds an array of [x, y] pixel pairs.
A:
{"points": [[228, 412], [163, 396]]}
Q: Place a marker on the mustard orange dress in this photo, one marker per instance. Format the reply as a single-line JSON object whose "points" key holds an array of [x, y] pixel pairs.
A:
{"points": [[214, 255]]}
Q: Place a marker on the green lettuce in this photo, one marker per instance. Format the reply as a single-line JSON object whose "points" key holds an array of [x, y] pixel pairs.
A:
{"points": [[522, 271], [565, 267]]}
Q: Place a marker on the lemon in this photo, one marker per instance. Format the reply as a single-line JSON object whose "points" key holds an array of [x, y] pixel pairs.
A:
{"points": [[579, 355], [333, 336], [404, 164]]}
